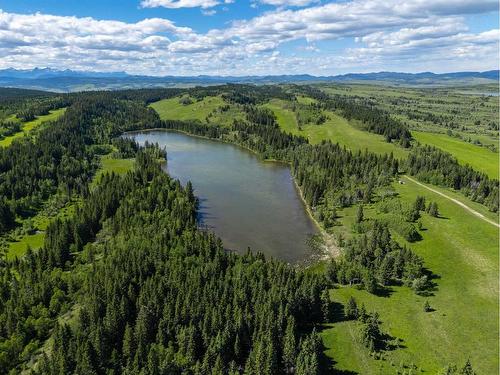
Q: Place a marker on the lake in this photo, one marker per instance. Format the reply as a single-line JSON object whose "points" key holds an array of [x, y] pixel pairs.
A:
{"points": [[245, 201]]}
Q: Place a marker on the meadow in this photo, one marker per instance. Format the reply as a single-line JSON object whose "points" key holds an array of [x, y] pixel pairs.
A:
{"points": [[30, 125], [336, 129], [113, 165], [480, 158], [462, 251], [198, 110]]}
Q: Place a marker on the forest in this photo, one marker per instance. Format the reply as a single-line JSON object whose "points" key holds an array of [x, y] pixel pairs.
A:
{"points": [[111, 289]]}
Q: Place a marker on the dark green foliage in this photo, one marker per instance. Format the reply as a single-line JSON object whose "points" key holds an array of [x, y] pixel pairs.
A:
{"points": [[7, 219], [371, 334], [359, 215], [8, 128], [453, 370], [329, 171], [32, 169], [126, 148], [419, 204], [433, 209], [42, 106], [308, 359], [437, 167], [374, 260], [351, 309], [136, 310]]}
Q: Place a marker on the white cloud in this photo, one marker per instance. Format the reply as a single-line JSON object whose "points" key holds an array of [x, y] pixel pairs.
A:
{"points": [[175, 4], [208, 12], [390, 34], [289, 3]]}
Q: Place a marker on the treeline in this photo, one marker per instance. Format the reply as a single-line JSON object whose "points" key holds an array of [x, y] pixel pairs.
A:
{"points": [[431, 165], [373, 119], [260, 133], [39, 107], [8, 128], [330, 176]]}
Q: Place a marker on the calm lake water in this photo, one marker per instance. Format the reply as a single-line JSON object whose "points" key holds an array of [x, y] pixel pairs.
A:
{"points": [[246, 202]]}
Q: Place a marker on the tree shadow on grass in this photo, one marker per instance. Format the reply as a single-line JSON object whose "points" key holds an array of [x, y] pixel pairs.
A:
{"points": [[432, 285], [385, 291], [337, 312], [327, 366], [390, 343]]}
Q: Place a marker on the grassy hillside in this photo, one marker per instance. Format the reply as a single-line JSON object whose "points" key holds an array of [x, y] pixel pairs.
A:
{"points": [[434, 109], [30, 125], [462, 250], [212, 109], [479, 158], [173, 109], [336, 128]]}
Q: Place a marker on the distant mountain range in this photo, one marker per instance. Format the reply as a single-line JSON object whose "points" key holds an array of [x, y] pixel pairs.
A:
{"points": [[69, 80]]}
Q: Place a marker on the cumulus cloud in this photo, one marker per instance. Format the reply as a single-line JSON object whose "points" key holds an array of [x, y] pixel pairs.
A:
{"points": [[289, 3], [175, 4], [387, 32]]}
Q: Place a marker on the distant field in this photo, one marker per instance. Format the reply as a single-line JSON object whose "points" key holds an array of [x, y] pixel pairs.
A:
{"points": [[173, 109], [30, 125], [430, 109], [336, 129], [463, 251], [479, 158]]}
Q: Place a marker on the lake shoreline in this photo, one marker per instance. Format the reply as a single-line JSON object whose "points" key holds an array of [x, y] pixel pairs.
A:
{"points": [[330, 246]]}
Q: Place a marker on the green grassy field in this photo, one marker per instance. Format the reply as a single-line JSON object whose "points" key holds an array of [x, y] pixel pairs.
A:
{"points": [[479, 158], [337, 129], [198, 110], [30, 125], [430, 109], [463, 251], [108, 165]]}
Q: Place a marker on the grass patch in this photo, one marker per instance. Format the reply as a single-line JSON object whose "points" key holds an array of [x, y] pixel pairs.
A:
{"points": [[108, 165], [30, 125], [18, 242], [463, 251], [336, 129], [173, 109], [479, 158]]}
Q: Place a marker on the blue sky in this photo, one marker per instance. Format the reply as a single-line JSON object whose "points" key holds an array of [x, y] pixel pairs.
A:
{"points": [[234, 37]]}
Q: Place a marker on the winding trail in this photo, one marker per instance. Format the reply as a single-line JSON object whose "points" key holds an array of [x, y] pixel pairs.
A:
{"points": [[463, 205]]}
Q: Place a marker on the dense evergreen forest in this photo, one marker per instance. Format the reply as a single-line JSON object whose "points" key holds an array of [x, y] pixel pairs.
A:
{"points": [[112, 290], [149, 262]]}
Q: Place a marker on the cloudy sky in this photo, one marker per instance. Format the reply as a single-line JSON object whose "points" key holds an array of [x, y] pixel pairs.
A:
{"points": [[236, 37]]}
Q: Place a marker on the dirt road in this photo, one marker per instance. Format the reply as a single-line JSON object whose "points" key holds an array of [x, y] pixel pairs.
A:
{"points": [[463, 205]]}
